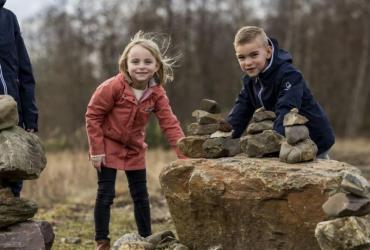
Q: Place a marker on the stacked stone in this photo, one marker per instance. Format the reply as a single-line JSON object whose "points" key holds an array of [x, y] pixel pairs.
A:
{"points": [[352, 204], [209, 136], [298, 146], [21, 158], [261, 139]]}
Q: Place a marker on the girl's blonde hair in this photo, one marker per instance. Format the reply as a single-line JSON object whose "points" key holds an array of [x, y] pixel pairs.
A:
{"points": [[247, 34], [148, 41]]}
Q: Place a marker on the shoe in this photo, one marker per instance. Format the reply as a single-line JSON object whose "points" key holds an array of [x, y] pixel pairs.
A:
{"points": [[102, 245]]}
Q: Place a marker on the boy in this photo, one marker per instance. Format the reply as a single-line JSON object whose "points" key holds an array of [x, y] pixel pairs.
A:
{"points": [[272, 82], [16, 78]]}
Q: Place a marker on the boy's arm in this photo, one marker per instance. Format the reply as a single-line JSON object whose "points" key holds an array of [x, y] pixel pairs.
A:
{"points": [[168, 122], [100, 104], [26, 82], [241, 113], [289, 96]]}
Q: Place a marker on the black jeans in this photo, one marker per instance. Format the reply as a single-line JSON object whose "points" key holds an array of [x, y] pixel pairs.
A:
{"points": [[15, 186], [106, 193]]}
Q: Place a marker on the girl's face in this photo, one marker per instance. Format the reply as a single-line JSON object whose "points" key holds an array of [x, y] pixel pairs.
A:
{"points": [[253, 57], [141, 65]]}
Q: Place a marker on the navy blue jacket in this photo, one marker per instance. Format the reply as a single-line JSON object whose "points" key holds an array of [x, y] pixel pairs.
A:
{"points": [[16, 78], [279, 88]]}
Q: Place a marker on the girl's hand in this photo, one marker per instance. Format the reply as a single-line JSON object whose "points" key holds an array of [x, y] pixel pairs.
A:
{"points": [[98, 161]]}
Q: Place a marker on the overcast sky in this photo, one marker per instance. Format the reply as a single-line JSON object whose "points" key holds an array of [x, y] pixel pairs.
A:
{"points": [[24, 9]]}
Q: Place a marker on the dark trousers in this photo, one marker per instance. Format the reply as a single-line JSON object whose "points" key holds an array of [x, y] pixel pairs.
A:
{"points": [[15, 186], [106, 193]]}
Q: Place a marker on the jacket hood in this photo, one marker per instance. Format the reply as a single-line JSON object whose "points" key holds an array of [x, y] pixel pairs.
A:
{"points": [[2, 2], [279, 56]]}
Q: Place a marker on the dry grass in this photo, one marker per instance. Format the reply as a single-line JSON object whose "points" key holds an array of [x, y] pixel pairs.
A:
{"points": [[69, 177]]}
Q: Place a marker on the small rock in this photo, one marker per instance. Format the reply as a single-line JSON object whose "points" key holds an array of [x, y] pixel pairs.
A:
{"points": [[296, 134], [204, 117], [8, 112], [136, 245], [158, 237], [127, 238], [293, 118], [202, 129], [71, 240], [221, 134], [261, 115], [192, 146], [342, 204], [258, 127], [258, 145], [179, 246], [355, 184], [303, 151], [224, 126], [221, 147], [210, 106]]}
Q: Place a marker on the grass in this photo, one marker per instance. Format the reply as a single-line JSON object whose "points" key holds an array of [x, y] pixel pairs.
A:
{"points": [[66, 193]]}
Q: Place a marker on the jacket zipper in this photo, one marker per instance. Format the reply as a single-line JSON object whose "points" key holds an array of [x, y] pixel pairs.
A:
{"points": [[3, 81], [260, 92]]}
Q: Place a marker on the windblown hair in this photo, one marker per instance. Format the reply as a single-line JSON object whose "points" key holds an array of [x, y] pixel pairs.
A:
{"points": [[149, 42], [248, 34]]}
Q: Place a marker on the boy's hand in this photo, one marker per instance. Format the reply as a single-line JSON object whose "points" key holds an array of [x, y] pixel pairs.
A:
{"points": [[98, 161]]}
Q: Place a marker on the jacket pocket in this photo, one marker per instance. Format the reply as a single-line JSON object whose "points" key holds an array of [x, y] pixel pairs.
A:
{"points": [[110, 133]]}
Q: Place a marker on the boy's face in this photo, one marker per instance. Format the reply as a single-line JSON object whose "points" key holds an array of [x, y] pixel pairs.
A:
{"points": [[253, 56]]}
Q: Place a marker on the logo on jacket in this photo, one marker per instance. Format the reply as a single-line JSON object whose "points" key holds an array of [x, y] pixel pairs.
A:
{"points": [[288, 85]]}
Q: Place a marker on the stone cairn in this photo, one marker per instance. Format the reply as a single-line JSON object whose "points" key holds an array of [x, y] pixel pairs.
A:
{"points": [[210, 135], [21, 158], [348, 224], [261, 140], [298, 147]]}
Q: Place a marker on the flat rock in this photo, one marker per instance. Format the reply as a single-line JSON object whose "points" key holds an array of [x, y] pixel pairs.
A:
{"points": [[192, 146], [297, 133], [238, 201], [22, 155], [259, 145], [221, 134], [204, 117], [258, 127], [8, 112], [261, 115], [202, 129], [342, 204], [303, 151], [221, 147], [344, 233], [294, 118], [211, 106], [356, 184], [224, 126]]}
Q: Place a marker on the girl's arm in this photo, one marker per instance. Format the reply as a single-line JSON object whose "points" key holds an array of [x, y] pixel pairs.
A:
{"points": [[101, 103], [168, 122]]}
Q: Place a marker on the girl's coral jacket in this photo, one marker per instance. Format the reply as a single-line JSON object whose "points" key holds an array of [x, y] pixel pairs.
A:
{"points": [[115, 122]]}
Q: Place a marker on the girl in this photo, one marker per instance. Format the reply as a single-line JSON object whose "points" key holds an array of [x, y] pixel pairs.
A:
{"points": [[115, 122]]}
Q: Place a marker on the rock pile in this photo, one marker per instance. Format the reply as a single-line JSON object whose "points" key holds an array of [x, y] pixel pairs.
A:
{"points": [[261, 139], [352, 204], [161, 240], [209, 136], [21, 158], [298, 146]]}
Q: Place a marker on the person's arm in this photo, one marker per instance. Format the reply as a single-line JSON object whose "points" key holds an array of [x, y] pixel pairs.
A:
{"points": [[241, 113], [289, 96], [26, 82], [168, 122], [100, 104]]}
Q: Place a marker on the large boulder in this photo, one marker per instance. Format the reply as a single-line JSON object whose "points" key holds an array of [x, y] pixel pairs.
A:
{"points": [[245, 203], [22, 155]]}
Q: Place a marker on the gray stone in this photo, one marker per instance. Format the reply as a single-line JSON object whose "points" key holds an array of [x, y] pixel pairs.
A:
{"points": [[210, 106], [128, 238], [303, 151], [22, 236], [294, 134], [192, 146], [258, 127], [202, 129], [220, 134], [224, 126], [342, 204], [294, 118], [221, 147], [47, 233], [261, 115], [249, 203], [348, 233], [258, 145], [22, 155], [14, 210], [355, 184], [179, 246], [8, 112], [204, 117], [158, 237], [136, 245]]}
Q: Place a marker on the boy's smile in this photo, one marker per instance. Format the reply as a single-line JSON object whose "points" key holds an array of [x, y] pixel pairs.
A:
{"points": [[253, 56]]}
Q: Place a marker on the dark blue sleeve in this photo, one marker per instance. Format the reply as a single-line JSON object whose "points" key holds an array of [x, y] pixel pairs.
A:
{"points": [[26, 82], [241, 113], [290, 96]]}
